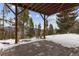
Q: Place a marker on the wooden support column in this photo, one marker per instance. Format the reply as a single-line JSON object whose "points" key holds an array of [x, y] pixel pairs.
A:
{"points": [[44, 27], [16, 13], [3, 24], [16, 27], [44, 32]]}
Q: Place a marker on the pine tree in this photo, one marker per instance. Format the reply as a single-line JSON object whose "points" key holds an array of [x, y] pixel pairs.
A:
{"points": [[31, 24], [30, 29], [46, 24], [46, 27], [75, 28], [23, 19], [66, 19], [50, 30], [39, 30]]}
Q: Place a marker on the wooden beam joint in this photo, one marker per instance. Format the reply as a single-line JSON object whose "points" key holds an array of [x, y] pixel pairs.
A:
{"points": [[21, 11]]}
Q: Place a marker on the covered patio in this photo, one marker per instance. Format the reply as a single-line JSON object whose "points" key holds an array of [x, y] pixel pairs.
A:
{"points": [[50, 45], [45, 10]]}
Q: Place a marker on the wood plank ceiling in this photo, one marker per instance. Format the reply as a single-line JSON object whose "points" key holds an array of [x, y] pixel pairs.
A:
{"points": [[47, 8]]}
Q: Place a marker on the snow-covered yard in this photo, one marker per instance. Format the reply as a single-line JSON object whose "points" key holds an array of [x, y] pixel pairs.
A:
{"points": [[9, 43], [66, 40]]}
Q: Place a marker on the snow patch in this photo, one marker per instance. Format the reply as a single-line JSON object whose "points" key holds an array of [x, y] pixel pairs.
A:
{"points": [[66, 40], [12, 43]]}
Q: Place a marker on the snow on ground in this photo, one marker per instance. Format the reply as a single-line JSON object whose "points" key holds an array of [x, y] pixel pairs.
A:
{"points": [[7, 44], [66, 40]]}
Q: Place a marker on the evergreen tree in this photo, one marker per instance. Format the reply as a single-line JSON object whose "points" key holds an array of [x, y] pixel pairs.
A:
{"points": [[66, 19], [46, 24], [46, 27], [50, 30], [31, 24], [75, 28], [23, 19], [30, 29], [39, 30]]}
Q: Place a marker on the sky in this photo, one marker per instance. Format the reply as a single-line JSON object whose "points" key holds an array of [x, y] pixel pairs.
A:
{"points": [[38, 19], [35, 16]]}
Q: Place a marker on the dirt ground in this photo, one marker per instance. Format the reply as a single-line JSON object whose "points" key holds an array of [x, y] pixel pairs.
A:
{"points": [[41, 48]]}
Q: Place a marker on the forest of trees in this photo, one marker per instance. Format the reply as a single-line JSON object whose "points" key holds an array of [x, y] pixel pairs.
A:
{"points": [[26, 28]]}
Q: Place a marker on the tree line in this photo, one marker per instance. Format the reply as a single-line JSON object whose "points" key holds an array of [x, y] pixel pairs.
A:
{"points": [[65, 21]]}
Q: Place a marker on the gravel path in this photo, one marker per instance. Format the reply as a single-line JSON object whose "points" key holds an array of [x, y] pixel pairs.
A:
{"points": [[41, 48]]}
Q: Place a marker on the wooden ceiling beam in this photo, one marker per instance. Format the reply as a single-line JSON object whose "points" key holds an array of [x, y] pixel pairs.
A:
{"points": [[52, 10], [47, 6], [29, 5], [65, 7], [52, 7], [57, 9], [40, 6], [35, 6], [44, 8]]}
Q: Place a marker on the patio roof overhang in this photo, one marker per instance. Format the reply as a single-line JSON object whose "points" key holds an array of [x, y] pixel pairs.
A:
{"points": [[42, 8], [47, 8]]}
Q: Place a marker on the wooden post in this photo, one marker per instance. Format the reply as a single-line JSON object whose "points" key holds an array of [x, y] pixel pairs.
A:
{"points": [[44, 27], [3, 24], [44, 18], [16, 29], [16, 19]]}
